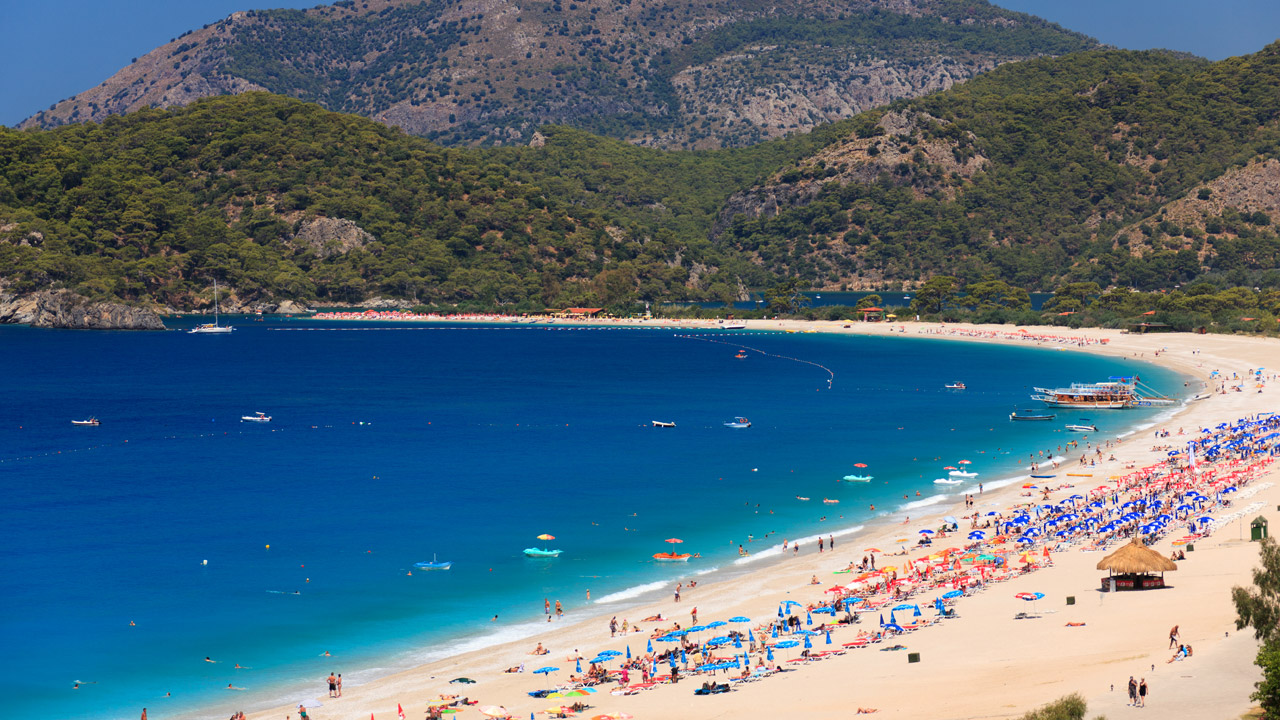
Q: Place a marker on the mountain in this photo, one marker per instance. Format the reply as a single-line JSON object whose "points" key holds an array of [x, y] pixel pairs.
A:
{"points": [[696, 74], [1142, 169]]}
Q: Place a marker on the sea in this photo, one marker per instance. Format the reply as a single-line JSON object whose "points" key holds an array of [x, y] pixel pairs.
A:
{"points": [[144, 559]]}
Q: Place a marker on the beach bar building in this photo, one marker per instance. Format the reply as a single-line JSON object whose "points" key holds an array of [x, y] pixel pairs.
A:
{"points": [[1133, 567]]}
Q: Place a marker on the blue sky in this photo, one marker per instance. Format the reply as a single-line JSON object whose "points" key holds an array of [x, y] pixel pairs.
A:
{"points": [[54, 49]]}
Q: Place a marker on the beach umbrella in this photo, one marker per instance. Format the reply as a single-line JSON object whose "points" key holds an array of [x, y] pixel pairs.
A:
{"points": [[719, 640], [828, 637], [775, 632], [737, 641], [926, 532], [684, 658], [787, 644], [739, 619], [872, 550], [546, 670], [807, 642], [916, 612], [881, 619], [903, 606], [952, 594], [628, 652], [894, 626], [769, 654], [496, 711], [545, 536], [808, 619], [649, 646], [751, 636], [578, 667], [609, 653], [892, 620]]}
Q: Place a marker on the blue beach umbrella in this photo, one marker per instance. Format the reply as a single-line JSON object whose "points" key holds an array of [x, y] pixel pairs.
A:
{"points": [[769, 654], [894, 626], [953, 594], [926, 532], [807, 642], [881, 619], [787, 644], [684, 658], [546, 670], [578, 667], [628, 652], [775, 632], [916, 612], [751, 637], [892, 620], [737, 641], [739, 619], [903, 606], [828, 637], [808, 619], [649, 646], [609, 653], [721, 623]]}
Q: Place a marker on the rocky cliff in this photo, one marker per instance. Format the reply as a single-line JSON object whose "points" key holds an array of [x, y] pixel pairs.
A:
{"points": [[65, 309]]}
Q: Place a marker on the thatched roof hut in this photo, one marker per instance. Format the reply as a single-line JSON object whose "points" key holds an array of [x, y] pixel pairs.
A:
{"points": [[1136, 558]]}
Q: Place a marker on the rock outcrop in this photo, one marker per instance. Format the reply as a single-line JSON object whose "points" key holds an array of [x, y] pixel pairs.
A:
{"points": [[65, 309], [330, 236]]}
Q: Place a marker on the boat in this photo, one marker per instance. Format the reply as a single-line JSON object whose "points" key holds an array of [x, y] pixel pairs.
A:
{"points": [[1082, 428], [829, 501], [741, 355], [91, 422], [738, 422], [661, 423], [1027, 415], [541, 553], [672, 557], [963, 474], [1115, 394], [954, 386], [859, 478], [434, 564], [213, 327], [1043, 477], [733, 326], [947, 481], [258, 418]]}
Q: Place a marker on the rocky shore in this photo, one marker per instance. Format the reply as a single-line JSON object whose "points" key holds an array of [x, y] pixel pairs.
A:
{"points": [[65, 309]]}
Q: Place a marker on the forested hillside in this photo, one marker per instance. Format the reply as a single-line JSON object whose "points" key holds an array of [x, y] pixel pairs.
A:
{"points": [[1140, 169], [1039, 172], [697, 74]]}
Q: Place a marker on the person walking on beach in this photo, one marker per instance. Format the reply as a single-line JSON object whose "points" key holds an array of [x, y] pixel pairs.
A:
{"points": [[1173, 636], [559, 609], [831, 542], [339, 684], [613, 626], [678, 585], [1142, 693], [819, 543], [546, 606], [1133, 691], [695, 614], [333, 685]]}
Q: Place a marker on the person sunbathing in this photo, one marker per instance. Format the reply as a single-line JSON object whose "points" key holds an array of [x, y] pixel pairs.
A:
{"points": [[517, 669], [539, 650]]}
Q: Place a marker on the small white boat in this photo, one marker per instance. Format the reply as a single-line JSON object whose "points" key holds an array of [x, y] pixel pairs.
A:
{"points": [[947, 481], [663, 424], [258, 418], [738, 422], [859, 478], [434, 564], [733, 326], [1082, 428], [212, 327], [91, 422], [963, 474], [955, 386]]}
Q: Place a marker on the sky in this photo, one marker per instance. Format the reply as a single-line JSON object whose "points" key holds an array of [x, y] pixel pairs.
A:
{"points": [[54, 49]]}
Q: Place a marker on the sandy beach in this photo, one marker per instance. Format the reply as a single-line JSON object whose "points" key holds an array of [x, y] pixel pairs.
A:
{"points": [[984, 663]]}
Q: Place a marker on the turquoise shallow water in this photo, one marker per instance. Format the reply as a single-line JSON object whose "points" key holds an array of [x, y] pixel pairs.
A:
{"points": [[394, 444]]}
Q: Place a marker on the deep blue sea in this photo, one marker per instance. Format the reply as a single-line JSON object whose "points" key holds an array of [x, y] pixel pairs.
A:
{"points": [[268, 545]]}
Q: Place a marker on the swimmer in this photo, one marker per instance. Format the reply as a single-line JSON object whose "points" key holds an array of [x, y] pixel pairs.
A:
{"points": [[206, 659], [233, 687], [132, 624]]}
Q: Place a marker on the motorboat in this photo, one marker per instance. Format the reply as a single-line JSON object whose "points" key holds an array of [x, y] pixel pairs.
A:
{"points": [[955, 386], [213, 327], [859, 478], [733, 326], [663, 424], [947, 481], [1082, 428], [434, 564], [91, 422], [1043, 477], [1028, 415], [541, 553], [741, 355], [738, 422], [829, 501], [257, 417], [672, 557], [963, 474]]}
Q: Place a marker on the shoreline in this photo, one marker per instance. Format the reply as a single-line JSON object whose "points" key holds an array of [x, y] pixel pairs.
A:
{"points": [[759, 587]]}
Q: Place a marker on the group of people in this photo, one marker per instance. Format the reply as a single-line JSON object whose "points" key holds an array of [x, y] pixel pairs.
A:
{"points": [[335, 685]]}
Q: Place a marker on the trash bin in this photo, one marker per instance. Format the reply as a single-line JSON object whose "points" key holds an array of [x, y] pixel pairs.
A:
{"points": [[1191, 547], [913, 657], [1071, 599], [1258, 528]]}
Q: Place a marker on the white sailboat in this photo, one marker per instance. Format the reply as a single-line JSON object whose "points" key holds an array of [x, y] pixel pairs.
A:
{"points": [[213, 327]]}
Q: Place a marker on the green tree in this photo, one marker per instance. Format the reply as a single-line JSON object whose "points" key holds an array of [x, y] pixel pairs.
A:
{"points": [[1259, 607], [872, 300], [934, 295], [785, 297]]}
